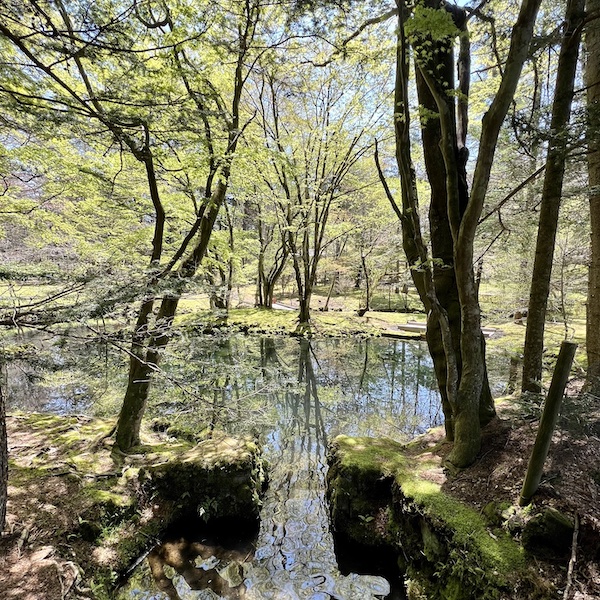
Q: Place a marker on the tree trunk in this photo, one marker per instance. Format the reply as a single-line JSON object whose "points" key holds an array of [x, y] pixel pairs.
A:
{"points": [[443, 209], [467, 423], [463, 225], [592, 82], [442, 245], [148, 345], [551, 198], [439, 335], [3, 449], [304, 316], [367, 282], [269, 292]]}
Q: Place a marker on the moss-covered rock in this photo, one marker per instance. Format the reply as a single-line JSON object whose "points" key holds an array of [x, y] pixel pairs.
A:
{"points": [[386, 493], [548, 534], [219, 477]]}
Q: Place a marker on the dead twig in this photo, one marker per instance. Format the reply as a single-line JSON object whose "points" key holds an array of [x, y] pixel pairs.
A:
{"points": [[573, 559], [74, 580], [23, 539]]}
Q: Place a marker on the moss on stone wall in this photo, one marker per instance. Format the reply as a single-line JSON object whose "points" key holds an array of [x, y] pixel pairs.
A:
{"points": [[111, 508], [382, 492]]}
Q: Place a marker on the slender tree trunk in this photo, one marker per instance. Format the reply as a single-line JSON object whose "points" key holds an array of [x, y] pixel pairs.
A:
{"points": [[551, 198], [149, 345], [331, 288], [592, 81], [367, 282], [467, 436], [3, 449]]}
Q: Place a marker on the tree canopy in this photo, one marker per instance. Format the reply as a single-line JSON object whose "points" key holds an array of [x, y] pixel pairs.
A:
{"points": [[152, 148]]}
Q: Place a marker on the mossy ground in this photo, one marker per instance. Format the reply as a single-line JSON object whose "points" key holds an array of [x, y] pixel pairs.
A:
{"points": [[453, 533], [280, 322], [92, 511]]}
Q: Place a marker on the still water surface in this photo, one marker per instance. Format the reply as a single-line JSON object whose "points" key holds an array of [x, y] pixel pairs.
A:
{"points": [[292, 394]]}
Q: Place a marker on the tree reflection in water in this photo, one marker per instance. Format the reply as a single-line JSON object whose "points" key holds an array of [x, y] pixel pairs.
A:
{"points": [[294, 395], [333, 386]]}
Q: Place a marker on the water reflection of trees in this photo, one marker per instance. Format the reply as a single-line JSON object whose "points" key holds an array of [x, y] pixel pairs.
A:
{"points": [[64, 372], [240, 384], [294, 394]]}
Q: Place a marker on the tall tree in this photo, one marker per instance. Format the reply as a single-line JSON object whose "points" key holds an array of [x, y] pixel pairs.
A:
{"points": [[75, 65], [311, 123], [551, 196], [150, 342], [431, 30], [592, 82]]}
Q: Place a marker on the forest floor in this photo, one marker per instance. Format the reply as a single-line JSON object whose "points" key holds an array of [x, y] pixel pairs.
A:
{"points": [[570, 483], [39, 553]]}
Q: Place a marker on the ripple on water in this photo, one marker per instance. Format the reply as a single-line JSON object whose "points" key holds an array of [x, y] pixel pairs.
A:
{"points": [[262, 584]]}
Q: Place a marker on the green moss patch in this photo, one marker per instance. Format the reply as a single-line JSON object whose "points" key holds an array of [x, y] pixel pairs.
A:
{"points": [[276, 322], [382, 492]]}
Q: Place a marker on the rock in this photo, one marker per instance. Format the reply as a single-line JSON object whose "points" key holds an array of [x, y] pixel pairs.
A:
{"points": [[233, 574], [219, 477], [548, 534], [445, 548]]}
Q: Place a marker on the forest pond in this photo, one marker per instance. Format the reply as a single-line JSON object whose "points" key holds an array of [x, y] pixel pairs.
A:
{"points": [[294, 395]]}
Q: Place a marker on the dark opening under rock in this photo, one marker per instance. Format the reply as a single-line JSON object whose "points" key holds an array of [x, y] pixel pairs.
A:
{"points": [[549, 534]]}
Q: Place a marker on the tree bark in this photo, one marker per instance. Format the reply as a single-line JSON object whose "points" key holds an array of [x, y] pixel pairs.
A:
{"points": [[551, 198], [445, 161], [467, 423], [548, 421], [442, 247], [439, 333], [3, 450], [463, 225], [592, 82]]}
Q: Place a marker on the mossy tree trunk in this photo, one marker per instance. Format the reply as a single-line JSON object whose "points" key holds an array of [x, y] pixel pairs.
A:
{"points": [[592, 81], [466, 400], [442, 243]]}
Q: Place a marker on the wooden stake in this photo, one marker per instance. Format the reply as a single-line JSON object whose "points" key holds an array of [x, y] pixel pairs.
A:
{"points": [[548, 422]]}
